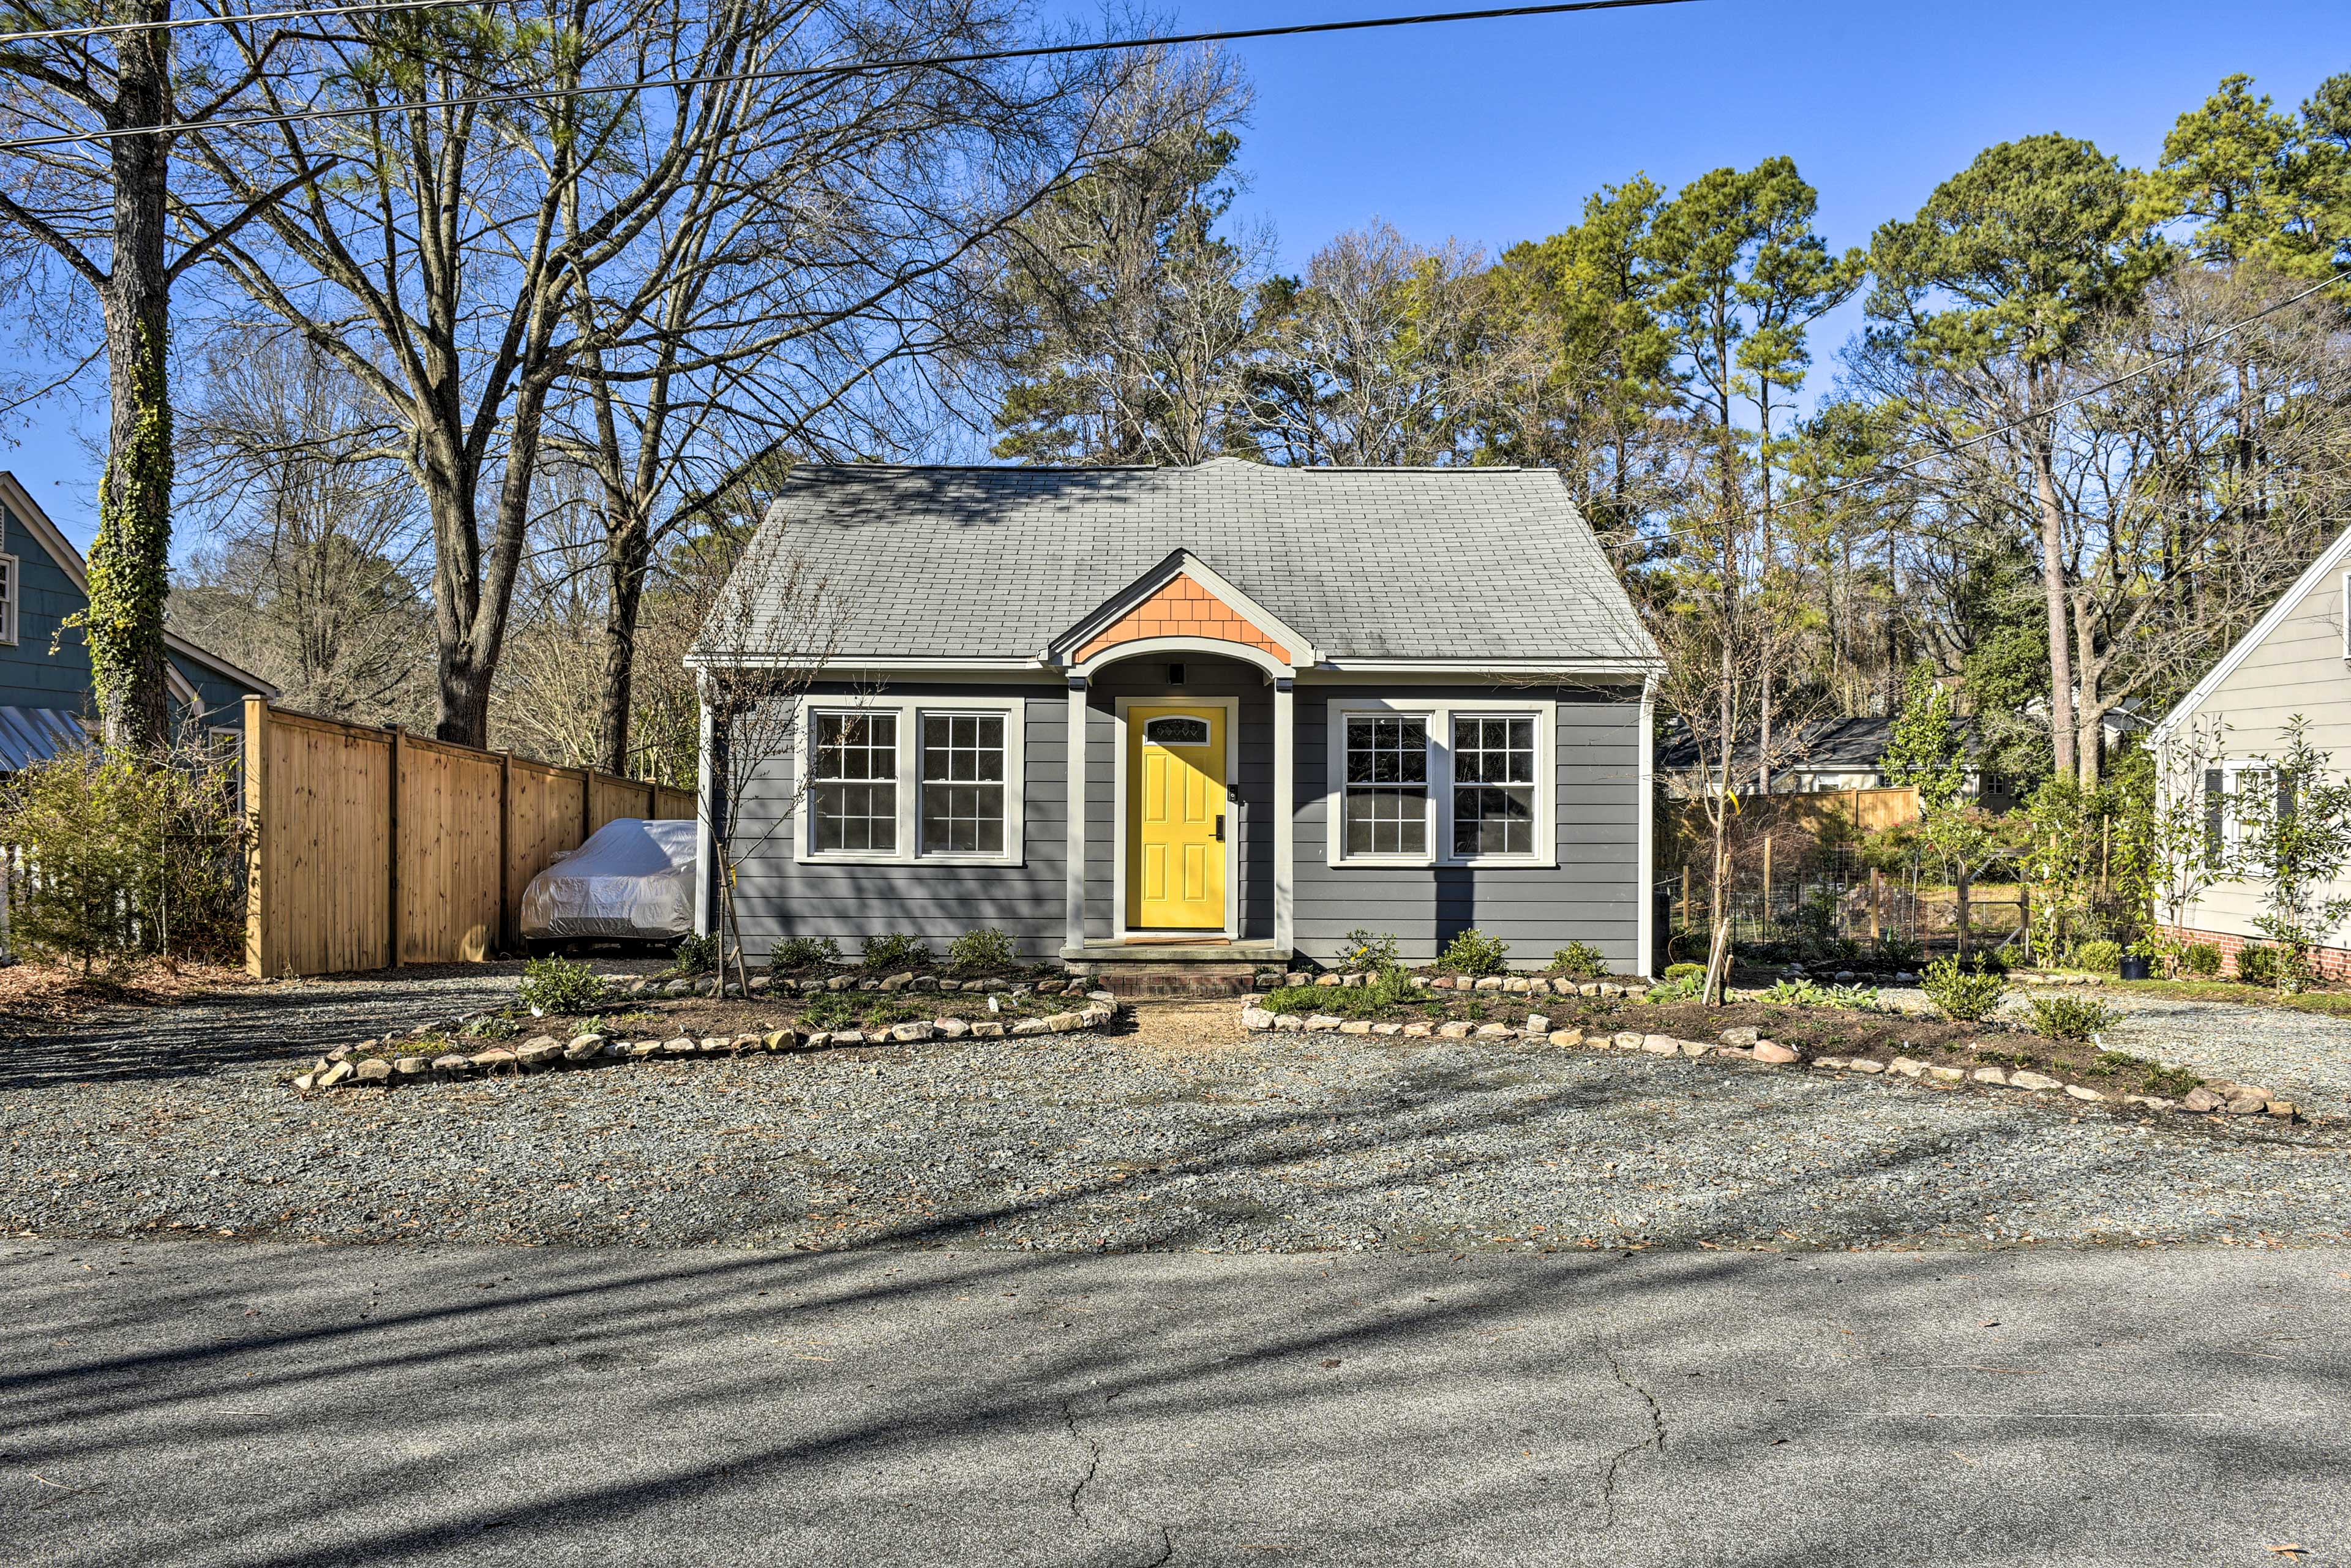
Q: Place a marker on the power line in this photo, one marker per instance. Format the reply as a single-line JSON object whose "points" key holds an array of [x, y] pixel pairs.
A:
{"points": [[174, 23], [2085, 393], [854, 67]]}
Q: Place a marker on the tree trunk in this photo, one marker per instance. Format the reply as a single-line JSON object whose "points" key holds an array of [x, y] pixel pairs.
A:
{"points": [[1717, 955], [1959, 909], [129, 559], [2052, 583], [627, 552]]}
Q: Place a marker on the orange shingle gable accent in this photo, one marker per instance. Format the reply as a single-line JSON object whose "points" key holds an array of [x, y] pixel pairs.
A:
{"points": [[1182, 608]]}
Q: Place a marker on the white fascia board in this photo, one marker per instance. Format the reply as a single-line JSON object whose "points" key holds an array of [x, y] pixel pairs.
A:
{"points": [[2329, 560], [1616, 668], [45, 532], [875, 666]]}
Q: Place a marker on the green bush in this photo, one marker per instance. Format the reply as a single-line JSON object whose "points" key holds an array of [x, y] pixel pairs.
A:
{"points": [[559, 985], [1368, 950], [2101, 956], [1805, 993], [796, 953], [981, 951], [1394, 985], [1339, 1001], [892, 951], [2072, 1018], [2257, 966], [1899, 952], [2200, 958], [695, 955], [1474, 953], [1969, 996], [1579, 961], [1685, 971], [134, 856], [1678, 988]]}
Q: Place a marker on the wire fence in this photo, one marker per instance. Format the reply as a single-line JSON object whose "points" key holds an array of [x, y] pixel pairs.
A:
{"points": [[1833, 899]]}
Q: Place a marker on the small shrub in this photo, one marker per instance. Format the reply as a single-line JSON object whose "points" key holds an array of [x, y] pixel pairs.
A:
{"points": [[981, 951], [2175, 1081], [2103, 956], [1368, 950], [1896, 951], [2257, 966], [559, 985], [1805, 993], [493, 1026], [831, 1010], [1339, 1001], [2200, 958], [1474, 953], [1579, 961], [1678, 988], [1394, 985], [1685, 972], [803, 953], [695, 955], [1474, 1009], [2072, 1018], [1967, 996], [892, 951]]}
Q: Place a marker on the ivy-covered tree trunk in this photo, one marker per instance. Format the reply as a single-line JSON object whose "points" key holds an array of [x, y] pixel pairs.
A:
{"points": [[128, 562]]}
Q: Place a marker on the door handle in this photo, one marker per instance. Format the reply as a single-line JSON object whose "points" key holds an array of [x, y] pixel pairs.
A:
{"points": [[1220, 827]]}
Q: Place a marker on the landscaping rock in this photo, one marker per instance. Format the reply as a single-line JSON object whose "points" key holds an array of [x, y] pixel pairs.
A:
{"points": [[2248, 1105], [2037, 1080], [2077, 1091], [1062, 1023], [918, 1030], [2283, 1110], [1456, 1030], [2151, 1102], [1487, 983], [453, 1065], [1626, 1040], [1947, 1074], [1695, 1047], [409, 1067], [1028, 1026], [336, 1076], [1256, 1017], [1567, 1036], [1290, 1023], [679, 1046], [987, 1031], [1417, 1031], [1906, 1066], [1864, 1064], [535, 1054], [1772, 1052], [1828, 1063], [746, 1040], [490, 1061], [1661, 1045], [1515, 984], [839, 982], [951, 1028], [1334, 980], [712, 1045], [923, 983], [2201, 1099], [1538, 1023], [1990, 1075], [1741, 1036], [1388, 1028], [1495, 1032], [1318, 1023], [1356, 1026], [375, 1071]]}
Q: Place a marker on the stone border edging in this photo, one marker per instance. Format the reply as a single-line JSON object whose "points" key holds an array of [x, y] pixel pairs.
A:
{"points": [[340, 1069], [1745, 1045]]}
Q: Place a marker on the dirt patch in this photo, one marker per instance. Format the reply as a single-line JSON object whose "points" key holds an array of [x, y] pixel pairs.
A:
{"points": [[46, 995]]}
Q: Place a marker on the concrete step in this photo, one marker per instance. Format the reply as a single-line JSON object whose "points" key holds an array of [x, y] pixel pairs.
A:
{"points": [[1186, 978]]}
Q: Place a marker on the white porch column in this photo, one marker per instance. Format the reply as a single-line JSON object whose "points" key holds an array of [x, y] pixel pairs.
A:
{"points": [[1644, 895], [1073, 912], [1285, 810]]}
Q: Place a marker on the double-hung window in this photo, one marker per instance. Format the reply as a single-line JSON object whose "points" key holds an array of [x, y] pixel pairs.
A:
{"points": [[1441, 783], [11, 590], [913, 780], [2234, 809]]}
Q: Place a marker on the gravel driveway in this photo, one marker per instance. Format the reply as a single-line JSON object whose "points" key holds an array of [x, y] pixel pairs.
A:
{"points": [[1180, 1134]]}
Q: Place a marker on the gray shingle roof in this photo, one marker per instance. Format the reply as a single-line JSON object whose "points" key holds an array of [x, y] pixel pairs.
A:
{"points": [[1370, 563]]}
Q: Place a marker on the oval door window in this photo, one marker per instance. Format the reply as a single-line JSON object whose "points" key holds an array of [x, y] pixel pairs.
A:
{"points": [[1175, 729]]}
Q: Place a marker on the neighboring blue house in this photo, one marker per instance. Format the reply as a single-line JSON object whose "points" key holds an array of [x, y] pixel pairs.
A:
{"points": [[45, 697]]}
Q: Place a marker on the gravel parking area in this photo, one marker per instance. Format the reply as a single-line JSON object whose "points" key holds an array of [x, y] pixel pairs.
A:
{"points": [[2305, 1057], [1180, 1133]]}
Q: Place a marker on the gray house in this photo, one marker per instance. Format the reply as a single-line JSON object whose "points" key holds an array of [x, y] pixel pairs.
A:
{"points": [[1201, 715]]}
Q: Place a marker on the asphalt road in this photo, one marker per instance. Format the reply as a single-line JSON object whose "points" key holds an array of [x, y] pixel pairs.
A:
{"points": [[192, 1403]]}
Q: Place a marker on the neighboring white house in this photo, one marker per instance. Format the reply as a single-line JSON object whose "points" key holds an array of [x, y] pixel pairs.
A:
{"points": [[2296, 660]]}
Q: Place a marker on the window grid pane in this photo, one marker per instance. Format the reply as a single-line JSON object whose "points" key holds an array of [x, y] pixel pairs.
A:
{"points": [[854, 791], [963, 783], [1493, 786], [1387, 805]]}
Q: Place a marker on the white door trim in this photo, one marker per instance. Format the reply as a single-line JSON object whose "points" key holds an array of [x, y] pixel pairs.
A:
{"points": [[1234, 826]]}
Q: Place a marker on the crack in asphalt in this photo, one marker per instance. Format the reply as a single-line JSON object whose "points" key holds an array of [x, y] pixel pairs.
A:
{"points": [[1093, 1457], [1654, 1439]]}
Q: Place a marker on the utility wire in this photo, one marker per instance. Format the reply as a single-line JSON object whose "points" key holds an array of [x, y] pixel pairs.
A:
{"points": [[1873, 477], [174, 23], [854, 67]]}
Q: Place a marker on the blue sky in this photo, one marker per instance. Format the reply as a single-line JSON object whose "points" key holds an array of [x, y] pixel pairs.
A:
{"points": [[1494, 132]]}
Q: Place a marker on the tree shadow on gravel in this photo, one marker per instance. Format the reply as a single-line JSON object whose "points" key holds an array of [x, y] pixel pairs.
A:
{"points": [[229, 1029], [299, 1407]]}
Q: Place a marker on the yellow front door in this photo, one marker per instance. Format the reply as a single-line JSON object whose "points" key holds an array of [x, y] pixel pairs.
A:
{"points": [[1176, 818]]}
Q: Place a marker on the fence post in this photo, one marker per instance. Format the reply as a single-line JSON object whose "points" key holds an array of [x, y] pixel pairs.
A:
{"points": [[256, 861], [1685, 895], [1876, 904], [391, 850], [587, 803], [1767, 881], [509, 926]]}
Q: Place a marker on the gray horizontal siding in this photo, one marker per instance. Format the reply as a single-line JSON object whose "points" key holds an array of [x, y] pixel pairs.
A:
{"points": [[778, 897], [1589, 897]]}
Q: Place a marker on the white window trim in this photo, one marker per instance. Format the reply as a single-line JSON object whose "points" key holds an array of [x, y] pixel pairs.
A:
{"points": [[909, 712], [1439, 713], [2232, 770], [12, 594]]}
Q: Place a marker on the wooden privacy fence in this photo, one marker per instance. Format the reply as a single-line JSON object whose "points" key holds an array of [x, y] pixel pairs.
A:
{"points": [[373, 847]]}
